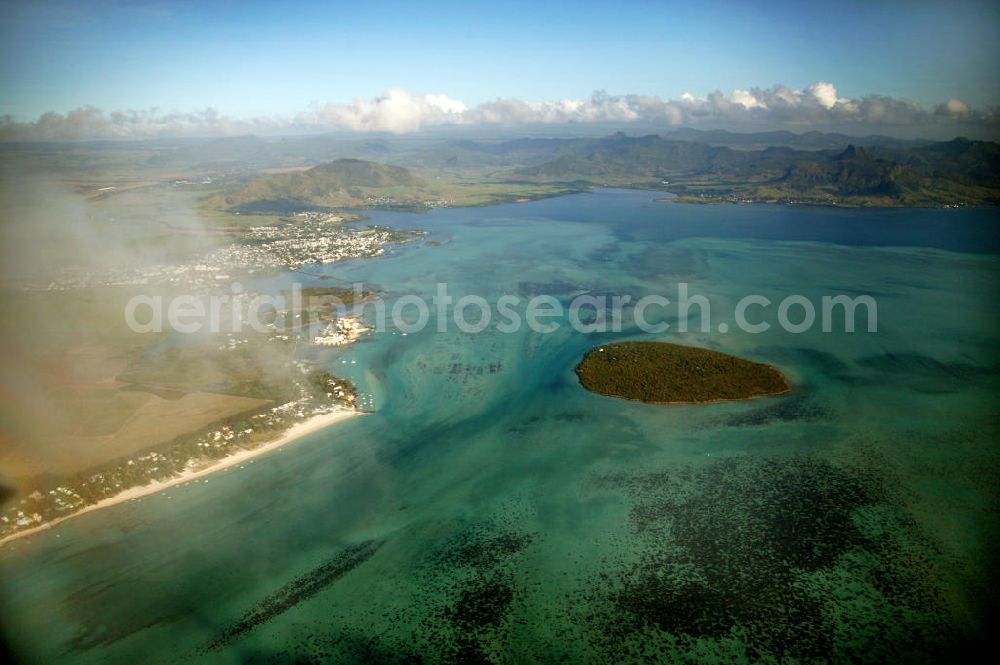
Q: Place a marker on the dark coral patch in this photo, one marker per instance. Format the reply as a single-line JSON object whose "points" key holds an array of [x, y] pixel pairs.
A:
{"points": [[754, 553], [798, 406], [298, 590]]}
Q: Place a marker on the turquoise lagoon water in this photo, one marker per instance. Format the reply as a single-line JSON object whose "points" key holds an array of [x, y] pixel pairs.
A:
{"points": [[491, 510]]}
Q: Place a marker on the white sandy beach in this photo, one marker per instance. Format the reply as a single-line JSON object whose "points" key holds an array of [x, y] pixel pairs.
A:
{"points": [[298, 430]]}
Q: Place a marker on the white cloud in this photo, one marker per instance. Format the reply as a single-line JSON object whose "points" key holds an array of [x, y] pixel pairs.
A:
{"points": [[395, 111], [824, 93], [954, 107], [399, 111], [88, 122], [746, 99], [446, 104]]}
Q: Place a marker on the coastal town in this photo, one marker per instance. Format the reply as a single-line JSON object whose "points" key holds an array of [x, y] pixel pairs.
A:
{"points": [[310, 239], [304, 239]]}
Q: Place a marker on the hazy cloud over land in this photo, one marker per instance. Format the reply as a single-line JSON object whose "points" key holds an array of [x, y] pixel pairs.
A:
{"points": [[818, 106]]}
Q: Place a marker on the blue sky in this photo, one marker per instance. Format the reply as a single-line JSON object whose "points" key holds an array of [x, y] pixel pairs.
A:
{"points": [[259, 58]]}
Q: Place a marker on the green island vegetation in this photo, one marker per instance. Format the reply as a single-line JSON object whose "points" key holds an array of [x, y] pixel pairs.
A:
{"points": [[664, 373], [337, 388], [320, 303], [321, 294]]}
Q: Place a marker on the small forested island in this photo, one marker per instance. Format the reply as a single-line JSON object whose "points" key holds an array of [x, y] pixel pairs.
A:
{"points": [[664, 373]]}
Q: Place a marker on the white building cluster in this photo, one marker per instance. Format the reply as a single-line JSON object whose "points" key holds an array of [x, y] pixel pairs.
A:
{"points": [[309, 238], [340, 331]]}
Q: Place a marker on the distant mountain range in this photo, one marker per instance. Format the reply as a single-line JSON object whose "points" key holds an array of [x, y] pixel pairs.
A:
{"points": [[705, 166], [808, 141], [926, 174]]}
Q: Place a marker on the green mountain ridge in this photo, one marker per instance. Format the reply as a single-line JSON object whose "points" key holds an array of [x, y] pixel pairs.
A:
{"points": [[340, 183], [949, 173]]}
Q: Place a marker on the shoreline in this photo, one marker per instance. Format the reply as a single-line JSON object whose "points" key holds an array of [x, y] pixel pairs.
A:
{"points": [[296, 431], [720, 400]]}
